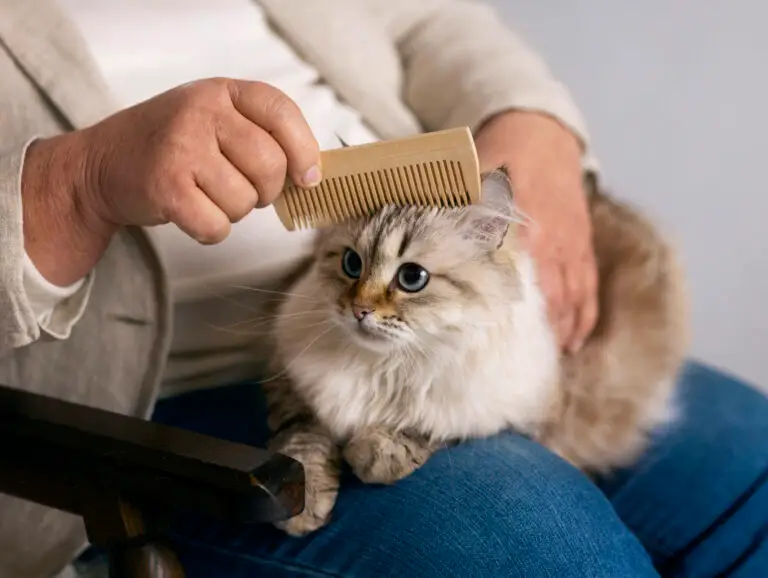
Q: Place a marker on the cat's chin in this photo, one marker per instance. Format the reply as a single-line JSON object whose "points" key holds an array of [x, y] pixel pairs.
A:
{"points": [[374, 341]]}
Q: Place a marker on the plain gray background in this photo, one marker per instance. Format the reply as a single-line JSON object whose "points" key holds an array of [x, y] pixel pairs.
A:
{"points": [[676, 97]]}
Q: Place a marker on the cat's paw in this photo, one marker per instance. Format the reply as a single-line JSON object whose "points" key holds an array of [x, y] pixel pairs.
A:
{"points": [[305, 523], [379, 457], [320, 459], [320, 493]]}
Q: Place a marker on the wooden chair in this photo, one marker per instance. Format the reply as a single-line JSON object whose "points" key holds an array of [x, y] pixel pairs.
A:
{"points": [[127, 477]]}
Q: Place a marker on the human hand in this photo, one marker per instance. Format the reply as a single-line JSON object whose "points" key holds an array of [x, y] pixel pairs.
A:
{"points": [[201, 155], [544, 163]]}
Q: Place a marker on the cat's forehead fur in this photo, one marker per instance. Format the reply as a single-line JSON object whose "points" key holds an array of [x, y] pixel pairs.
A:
{"points": [[393, 233], [460, 241], [397, 228], [394, 230]]}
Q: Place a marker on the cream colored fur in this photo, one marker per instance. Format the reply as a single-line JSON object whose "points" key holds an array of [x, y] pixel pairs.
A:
{"points": [[472, 353], [499, 371]]}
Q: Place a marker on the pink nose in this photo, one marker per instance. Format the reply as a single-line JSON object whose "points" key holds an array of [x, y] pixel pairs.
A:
{"points": [[361, 311]]}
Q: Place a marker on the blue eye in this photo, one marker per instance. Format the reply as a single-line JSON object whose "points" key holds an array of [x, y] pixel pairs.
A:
{"points": [[351, 264], [412, 278]]}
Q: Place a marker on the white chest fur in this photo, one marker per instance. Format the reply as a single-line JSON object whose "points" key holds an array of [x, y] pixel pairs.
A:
{"points": [[503, 375]]}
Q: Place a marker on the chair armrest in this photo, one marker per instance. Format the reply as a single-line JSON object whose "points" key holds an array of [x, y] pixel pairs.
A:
{"points": [[62, 455]]}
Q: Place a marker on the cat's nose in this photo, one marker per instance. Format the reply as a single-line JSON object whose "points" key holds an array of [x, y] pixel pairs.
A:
{"points": [[361, 311]]}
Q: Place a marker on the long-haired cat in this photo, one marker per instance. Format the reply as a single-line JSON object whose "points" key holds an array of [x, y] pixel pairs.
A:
{"points": [[419, 327]]}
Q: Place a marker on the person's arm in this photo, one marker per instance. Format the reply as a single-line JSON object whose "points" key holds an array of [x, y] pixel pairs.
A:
{"points": [[462, 65], [63, 237], [42, 219], [57, 223], [29, 304], [62, 198], [17, 320]]}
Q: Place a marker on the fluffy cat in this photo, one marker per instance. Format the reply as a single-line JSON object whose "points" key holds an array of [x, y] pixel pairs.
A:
{"points": [[418, 327]]}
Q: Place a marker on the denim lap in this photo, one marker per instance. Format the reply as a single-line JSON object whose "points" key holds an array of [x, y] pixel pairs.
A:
{"points": [[698, 503], [698, 500], [497, 507]]}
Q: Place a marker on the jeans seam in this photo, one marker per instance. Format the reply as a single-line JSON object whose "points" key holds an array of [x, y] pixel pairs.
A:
{"points": [[293, 566], [672, 565], [757, 542]]}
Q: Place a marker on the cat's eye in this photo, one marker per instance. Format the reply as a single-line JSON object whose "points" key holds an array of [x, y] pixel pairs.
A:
{"points": [[351, 264], [412, 278]]}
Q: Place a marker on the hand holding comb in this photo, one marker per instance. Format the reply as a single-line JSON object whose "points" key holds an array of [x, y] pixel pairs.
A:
{"points": [[437, 169]]}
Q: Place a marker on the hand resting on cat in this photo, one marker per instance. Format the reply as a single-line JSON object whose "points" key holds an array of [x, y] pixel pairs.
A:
{"points": [[416, 328]]}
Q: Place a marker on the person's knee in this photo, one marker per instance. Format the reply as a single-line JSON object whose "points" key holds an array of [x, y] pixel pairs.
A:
{"points": [[699, 498], [498, 507]]}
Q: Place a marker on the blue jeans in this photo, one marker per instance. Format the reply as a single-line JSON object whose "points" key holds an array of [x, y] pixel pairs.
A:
{"points": [[695, 505]]}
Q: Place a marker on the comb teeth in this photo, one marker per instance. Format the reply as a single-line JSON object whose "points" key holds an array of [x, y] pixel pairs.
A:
{"points": [[438, 169], [337, 199]]}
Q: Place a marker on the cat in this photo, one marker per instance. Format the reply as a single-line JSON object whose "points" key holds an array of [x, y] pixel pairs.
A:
{"points": [[418, 327]]}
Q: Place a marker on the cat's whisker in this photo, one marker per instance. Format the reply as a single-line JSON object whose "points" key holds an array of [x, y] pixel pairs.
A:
{"points": [[237, 323], [264, 319], [264, 306], [522, 218], [271, 319], [275, 292], [233, 301], [306, 348], [236, 332], [267, 331], [408, 360], [231, 297], [447, 449], [420, 348], [512, 214]]}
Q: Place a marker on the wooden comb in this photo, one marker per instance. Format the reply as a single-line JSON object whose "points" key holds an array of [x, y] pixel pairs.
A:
{"points": [[437, 169]]}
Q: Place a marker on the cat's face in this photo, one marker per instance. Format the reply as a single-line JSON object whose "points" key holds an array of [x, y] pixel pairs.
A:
{"points": [[409, 276]]}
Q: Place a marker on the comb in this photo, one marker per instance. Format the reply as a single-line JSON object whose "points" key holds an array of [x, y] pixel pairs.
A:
{"points": [[437, 169]]}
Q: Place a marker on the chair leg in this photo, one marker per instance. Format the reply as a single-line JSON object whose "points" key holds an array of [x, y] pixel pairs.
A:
{"points": [[119, 527], [148, 561]]}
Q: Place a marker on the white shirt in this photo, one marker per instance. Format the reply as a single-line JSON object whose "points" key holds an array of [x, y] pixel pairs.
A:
{"points": [[144, 47]]}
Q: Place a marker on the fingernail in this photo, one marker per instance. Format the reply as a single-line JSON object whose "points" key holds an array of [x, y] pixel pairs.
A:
{"points": [[313, 176]]}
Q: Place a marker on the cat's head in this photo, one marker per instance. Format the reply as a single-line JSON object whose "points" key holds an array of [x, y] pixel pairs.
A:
{"points": [[410, 275]]}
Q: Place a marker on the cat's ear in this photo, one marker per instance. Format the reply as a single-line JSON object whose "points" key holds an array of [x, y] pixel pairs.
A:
{"points": [[488, 221]]}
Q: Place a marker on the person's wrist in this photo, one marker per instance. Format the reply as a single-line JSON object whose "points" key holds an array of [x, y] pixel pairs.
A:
{"points": [[64, 230], [524, 131], [536, 149], [529, 119]]}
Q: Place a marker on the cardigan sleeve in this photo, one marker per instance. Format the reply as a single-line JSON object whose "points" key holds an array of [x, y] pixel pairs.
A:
{"points": [[462, 65]]}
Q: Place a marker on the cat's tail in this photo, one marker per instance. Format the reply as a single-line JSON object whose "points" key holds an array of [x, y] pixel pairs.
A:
{"points": [[619, 386]]}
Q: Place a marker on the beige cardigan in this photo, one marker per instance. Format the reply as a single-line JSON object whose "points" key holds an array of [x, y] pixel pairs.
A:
{"points": [[406, 65]]}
